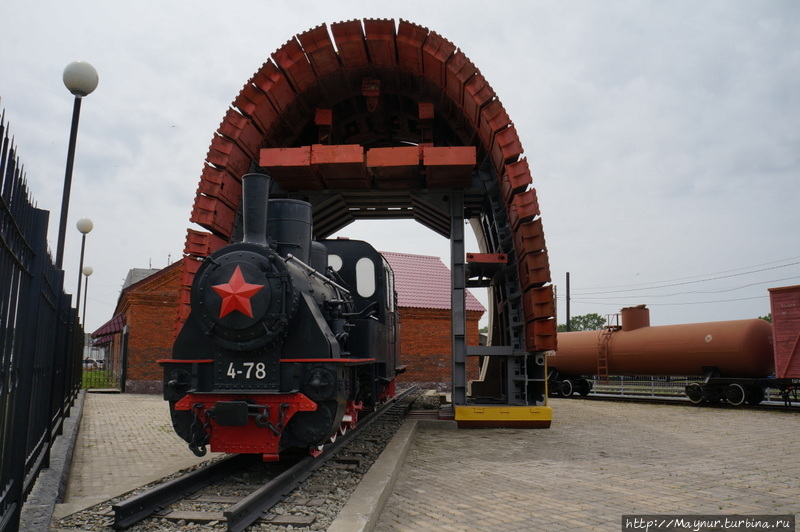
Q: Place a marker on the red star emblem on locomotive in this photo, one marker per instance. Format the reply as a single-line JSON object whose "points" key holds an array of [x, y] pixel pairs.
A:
{"points": [[236, 294]]}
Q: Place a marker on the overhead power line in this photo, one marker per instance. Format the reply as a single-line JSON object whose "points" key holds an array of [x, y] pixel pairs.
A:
{"points": [[671, 284], [643, 295], [686, 303]]}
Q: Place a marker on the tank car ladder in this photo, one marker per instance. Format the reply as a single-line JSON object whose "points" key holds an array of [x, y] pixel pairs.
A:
{"points": [[612, 325]]}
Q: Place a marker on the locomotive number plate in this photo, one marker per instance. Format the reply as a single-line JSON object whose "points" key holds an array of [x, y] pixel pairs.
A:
{"points": [[247, 370], [234, 373]]}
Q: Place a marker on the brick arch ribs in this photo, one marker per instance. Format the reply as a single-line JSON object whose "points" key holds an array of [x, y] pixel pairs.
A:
{"points": [[377, 84]]}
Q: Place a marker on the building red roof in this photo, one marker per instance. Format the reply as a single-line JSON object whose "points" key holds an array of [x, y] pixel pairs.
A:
{"points": [[423, 281]]}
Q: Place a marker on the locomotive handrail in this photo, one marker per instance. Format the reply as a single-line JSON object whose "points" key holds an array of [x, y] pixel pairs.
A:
{"points": [[316, 273]]}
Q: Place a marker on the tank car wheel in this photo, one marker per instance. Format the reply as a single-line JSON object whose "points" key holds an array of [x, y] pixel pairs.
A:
{"points": [[583, 387], [694, 392], [734, 394], [755, 395], [566, 388]]}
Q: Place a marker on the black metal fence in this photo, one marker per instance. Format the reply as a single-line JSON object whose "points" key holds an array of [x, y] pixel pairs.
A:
{"points": [[40, 340], [102, 367]]}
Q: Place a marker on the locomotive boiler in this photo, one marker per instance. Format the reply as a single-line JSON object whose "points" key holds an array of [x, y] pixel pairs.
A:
{"points": [[288, 339], [733, 358]]}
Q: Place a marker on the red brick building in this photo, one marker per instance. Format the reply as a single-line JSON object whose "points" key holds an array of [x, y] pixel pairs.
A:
{"points": [[423, 292], [142, 329]]}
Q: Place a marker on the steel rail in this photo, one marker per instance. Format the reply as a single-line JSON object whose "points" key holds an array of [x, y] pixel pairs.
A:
{"points": [[248, 510], [775, 406], [138, 507]]}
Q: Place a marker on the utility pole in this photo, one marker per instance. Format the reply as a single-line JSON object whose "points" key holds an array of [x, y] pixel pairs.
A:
{"points": [[568, 325]]}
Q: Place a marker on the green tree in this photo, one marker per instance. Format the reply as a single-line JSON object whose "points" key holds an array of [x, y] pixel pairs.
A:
{"points": [[586, 322], [768, 317]]}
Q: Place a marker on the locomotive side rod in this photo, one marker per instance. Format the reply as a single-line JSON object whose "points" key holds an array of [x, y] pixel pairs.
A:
{"points": [[136, 508], [248, 510]]}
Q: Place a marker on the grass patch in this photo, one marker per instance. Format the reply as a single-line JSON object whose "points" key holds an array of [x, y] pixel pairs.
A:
{"points": [[98, 378]]}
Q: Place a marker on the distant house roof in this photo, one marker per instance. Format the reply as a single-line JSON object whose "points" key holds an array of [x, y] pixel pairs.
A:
{"points": [[138, 274], [135, 279], [106, 332], [423, 281]]}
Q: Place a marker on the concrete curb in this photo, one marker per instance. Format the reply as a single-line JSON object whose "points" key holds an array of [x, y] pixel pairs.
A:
{"points": [[363, 509], [51, 484]]}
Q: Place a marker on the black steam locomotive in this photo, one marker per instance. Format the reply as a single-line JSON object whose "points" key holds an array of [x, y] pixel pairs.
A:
{"points": [[288, 339]]}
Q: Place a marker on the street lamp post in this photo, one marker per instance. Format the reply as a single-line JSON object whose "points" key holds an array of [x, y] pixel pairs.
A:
{"points": [[81, 79], [84, 225], [87, 271]]}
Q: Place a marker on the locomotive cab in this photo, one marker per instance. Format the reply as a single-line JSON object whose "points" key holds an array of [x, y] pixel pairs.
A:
{"points": [[375, 324]]}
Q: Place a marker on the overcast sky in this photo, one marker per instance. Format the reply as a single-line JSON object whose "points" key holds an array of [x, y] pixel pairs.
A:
{"points": [[663, 137]]}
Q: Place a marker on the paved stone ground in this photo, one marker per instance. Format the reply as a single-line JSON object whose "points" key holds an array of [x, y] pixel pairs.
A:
{"points": [[51, 484], [125, 441], [599, 460]]}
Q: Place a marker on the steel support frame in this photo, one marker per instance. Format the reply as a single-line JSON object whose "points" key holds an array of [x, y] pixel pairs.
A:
{"points": [[458, 298]]}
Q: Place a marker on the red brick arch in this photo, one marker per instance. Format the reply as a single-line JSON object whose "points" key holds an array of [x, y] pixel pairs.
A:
{"points": [[328, 70]]}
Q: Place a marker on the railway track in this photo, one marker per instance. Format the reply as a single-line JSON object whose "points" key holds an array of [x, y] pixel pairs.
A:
{"points": [[683, 401], [239, 490]]}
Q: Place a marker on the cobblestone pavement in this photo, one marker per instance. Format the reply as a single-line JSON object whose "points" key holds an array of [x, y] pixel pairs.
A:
{"points": [[598, 461], [125, 441]]}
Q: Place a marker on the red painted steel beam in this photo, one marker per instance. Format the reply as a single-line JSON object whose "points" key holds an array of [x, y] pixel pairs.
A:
{"points": [[349, 39], [458, 71], [448, 166], [221, 185], [515, 180], [539, 303], [201, 244], [318, 46], [534, 270], [224, 153], [524, 208], [274, 84], [487, 258], [435, 52], [493, 118], [380, 36], [241, 130], [506, 148], [477, 93], [293, 62], [214, 215], [252, 102], [290, 167], [341, 166], [395, 168], [410, 38], [540, 335], [529, 238]]}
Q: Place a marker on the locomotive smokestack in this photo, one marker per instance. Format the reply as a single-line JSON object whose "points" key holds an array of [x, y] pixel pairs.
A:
{"points": [[255, 194]]}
